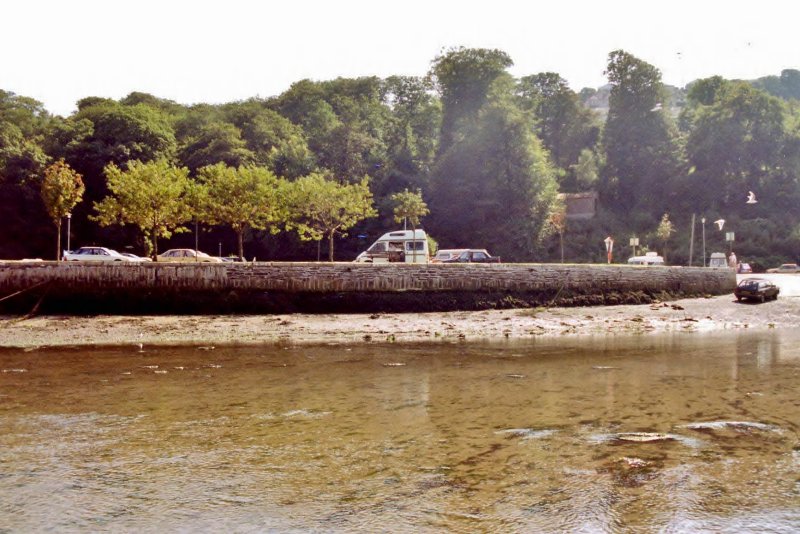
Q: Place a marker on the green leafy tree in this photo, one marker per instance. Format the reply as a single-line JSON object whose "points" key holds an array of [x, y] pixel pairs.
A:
{"points": [[217, 142], [124, 133], [786, 86], [664, 232], [22, 162], [152, 196], [275, 142], [558, 221], [737, 143], [21, 158], [242, 198], [464, 77], [304, 103], [563, 124], [643, 155], [25, 113], [62, 189], [357, 146], [322, 207], [410, 207], [586, 171], [412, 135], [103, 132], [345, 122], [495, 187]]}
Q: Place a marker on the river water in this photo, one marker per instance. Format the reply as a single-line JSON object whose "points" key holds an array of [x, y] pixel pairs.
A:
{"points": [[679, 433]]}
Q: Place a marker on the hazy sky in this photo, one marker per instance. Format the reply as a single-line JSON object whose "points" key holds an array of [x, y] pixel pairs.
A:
{"points": [[59, 51]]}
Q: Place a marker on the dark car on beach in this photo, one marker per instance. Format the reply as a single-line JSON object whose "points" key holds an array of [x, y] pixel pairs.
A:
{"points": [[756, 289]]}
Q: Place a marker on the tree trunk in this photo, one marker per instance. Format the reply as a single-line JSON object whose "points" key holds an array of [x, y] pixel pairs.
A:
{"points": [[58, 240], [330, 245], [240, 240], [413, 244], [319, 248], [154, 240], [561, 241]]}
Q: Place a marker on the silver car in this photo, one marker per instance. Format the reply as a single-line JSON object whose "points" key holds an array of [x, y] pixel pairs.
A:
{"points": [[187, 255], [96, 254]]}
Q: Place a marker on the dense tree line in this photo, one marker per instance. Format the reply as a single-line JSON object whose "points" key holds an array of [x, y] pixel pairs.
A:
{"points": [[487, 153]]}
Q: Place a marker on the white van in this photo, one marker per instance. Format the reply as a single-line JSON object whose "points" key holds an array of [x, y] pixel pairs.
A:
{"points": [[718, 261], [650, 258], [404, 246]]}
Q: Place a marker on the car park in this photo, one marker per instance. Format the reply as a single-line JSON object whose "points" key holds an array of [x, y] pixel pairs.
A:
{"points": [[187, 255], [97, 254], [785, 268], [756, 289], [464, 255]]}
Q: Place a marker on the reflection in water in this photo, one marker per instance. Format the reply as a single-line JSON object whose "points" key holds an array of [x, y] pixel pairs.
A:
{"points": [[673, 433]]}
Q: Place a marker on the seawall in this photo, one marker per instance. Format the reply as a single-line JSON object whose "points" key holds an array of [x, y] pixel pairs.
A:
{"points": [[272, 287]]}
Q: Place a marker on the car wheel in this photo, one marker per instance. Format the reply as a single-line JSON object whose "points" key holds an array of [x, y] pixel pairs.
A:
{"points": [[739, 299], [763, 298]]}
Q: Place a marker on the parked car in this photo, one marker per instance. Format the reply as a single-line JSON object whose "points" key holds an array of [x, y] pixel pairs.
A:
{"points": [[650, 258], [134, 256], [464, 255], [756, 289], [744, 268], [187, 255], [785, 268], [96, 254]]}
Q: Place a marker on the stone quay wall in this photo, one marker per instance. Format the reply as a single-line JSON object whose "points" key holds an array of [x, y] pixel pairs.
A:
{"points": [[294, 286]]}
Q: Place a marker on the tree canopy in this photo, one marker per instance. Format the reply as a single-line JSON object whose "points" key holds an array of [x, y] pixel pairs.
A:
{"points": [[322, 207], [151, 196], [241, 198], [62, 189], [490, 150]]}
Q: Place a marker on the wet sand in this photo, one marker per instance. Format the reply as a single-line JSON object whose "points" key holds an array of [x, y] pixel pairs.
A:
{"points": [[688, 315]]}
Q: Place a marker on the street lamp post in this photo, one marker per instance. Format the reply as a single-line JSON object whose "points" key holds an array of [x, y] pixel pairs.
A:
{"points": [[69, 219], [703, 220]]}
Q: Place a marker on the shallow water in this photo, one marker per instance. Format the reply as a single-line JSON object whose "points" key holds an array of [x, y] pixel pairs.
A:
{"points": [[679, 433]]}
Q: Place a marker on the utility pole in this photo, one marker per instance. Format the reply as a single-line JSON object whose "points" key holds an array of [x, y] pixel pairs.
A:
{"points": [[703, 220], [691, 243]]}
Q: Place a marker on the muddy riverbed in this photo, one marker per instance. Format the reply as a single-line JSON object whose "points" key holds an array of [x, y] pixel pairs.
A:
{"points": [[687, 315]]}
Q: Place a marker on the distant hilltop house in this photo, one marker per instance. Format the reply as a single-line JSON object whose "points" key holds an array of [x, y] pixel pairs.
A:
{"points": [[580, 206]]}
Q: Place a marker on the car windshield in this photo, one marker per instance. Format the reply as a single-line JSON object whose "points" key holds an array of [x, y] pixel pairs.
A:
{"points": [[751, 284]]}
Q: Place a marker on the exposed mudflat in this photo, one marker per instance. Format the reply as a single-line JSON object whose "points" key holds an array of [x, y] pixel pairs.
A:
{"points": [[690, 315]]}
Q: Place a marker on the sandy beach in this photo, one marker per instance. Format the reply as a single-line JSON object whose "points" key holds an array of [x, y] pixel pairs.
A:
{"points": [[688, 315]]}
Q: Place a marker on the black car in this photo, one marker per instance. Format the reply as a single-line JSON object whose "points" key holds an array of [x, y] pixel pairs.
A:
{"points": [[756, 289]]}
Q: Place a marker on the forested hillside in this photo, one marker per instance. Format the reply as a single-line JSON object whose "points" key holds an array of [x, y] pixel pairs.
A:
{"points": [[488, 152]]}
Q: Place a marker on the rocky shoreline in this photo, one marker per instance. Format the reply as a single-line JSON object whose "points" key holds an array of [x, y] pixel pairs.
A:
{"points": [[686, 315]]}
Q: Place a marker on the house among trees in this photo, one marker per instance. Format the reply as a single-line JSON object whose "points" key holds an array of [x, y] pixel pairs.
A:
{"points": [[580, 206]]}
